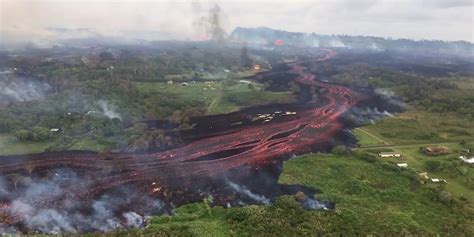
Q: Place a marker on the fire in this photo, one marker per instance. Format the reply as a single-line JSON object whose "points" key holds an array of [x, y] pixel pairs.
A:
{"points": [[279, 42], [257, 67]]}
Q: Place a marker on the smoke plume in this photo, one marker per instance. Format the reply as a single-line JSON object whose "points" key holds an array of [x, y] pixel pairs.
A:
{"points": [[109, 110], [245, 191], [21, 89], [212, 24], [105, 213]]}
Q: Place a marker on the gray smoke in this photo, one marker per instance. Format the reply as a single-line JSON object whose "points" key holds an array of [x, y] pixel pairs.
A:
{"points": [[245, 191], [108, 212], [21, 89], [212, 24], [109, 110], [313, 204]]}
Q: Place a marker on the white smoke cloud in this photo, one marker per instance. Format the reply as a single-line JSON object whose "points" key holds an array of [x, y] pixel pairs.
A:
{"points": [[21, 89], [313, 204], [245, 191], [109, 110], [336, 43], [106, 213], [133, 219]]}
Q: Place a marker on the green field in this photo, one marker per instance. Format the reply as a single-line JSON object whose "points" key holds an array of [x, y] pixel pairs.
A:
{"points": [[10, 146], [413, 130], [418, 126], [220, 97], [237, 95]]}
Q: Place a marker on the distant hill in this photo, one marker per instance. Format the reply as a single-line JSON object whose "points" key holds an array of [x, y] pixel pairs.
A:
{"points": [[268, 36]]}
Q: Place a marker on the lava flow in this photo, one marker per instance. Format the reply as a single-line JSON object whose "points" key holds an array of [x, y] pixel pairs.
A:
{"points": [[205, 159]]}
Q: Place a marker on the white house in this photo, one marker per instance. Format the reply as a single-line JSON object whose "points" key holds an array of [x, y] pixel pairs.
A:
{"points": [[467, 160], [389, 154], [402, 165]]}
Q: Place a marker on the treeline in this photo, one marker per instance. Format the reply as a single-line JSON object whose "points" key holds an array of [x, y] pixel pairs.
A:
{"points": [[439, 95]]}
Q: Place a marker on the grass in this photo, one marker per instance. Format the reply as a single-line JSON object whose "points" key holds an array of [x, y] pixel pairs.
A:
{"points": [[195, 91], [374, 193], [220, 97], [87, 143], [407, 132], [10, 146], [365, 138], [418, 126], [238, 95]]}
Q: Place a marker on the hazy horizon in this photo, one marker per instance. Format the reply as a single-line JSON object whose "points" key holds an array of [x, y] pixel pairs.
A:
{"points": [[42, 21]]}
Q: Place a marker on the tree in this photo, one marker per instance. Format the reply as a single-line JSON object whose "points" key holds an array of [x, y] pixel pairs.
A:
{"points": [[22, 135], [432, 165], [15, 178], [29, 167]]}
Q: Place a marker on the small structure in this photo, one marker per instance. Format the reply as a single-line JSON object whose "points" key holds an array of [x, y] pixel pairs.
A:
{"points": [[436, 150], [245, 82], [469, 160], [389, 154], [170, 82], [423, 175], [435, 180], [402, 165], [184, 84], [55, 130]]}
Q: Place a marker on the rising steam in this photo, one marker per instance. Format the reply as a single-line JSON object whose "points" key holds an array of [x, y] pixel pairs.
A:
{"points": [[106, 213], [109, 110]]}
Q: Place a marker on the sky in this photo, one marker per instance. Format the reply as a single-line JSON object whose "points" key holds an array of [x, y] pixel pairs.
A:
{"points": [[41, 21]]}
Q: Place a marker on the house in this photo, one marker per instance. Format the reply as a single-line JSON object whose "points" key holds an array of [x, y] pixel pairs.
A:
{"points": [[402, 165], [55, 130], [184, 84], [469, 160], [436, 150], [389, 154], [434, 180], [169, 82]]}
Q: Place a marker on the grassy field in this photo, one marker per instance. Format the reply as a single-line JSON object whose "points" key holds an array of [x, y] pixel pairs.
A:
{"points": [[418, 126], [10, 146], [407, 132], [87, 143], [367, 139], [195, 91], [221, 97], [237, 95]]}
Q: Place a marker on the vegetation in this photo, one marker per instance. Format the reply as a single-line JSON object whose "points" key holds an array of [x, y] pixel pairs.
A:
{"points": [[372, 197]]}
